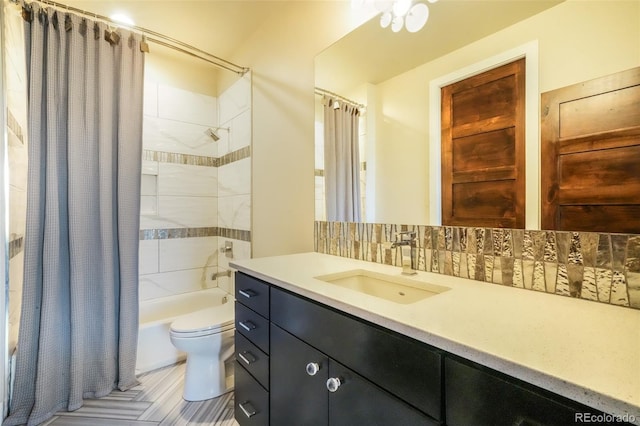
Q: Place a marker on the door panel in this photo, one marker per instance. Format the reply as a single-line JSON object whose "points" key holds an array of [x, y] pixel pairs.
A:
{"points": [[359, 402], [484, 151], [296, 397], [590, 150], [476, 201], [483, 163], [601, 113]]}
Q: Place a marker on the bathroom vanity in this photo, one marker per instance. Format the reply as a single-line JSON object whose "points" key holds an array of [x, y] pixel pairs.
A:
{"points": [[312, 352]]}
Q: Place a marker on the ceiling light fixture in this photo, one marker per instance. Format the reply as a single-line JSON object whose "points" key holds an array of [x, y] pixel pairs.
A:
{"points": [[403, 14], [123, 19]]}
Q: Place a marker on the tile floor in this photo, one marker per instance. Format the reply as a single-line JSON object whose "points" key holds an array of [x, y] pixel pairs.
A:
{"points": [[156, 401]]}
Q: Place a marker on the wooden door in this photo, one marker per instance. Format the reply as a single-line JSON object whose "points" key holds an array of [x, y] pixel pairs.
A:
{"points": [[483, 151], [591, 155]]}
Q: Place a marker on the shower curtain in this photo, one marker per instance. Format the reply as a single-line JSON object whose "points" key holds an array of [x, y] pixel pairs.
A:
{"points": [[342, 161], [78, 330]]}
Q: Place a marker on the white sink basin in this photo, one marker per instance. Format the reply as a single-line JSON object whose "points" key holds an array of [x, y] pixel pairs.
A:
{"points": [[393, 288]]}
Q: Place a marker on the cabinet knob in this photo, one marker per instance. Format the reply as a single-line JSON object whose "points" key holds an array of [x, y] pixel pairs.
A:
{"points": [[312, 368], [333, 384]]}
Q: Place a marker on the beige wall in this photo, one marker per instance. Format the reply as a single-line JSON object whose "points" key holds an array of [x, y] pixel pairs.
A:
{"points": [[178, 70], [281, 55], [578, 40]]}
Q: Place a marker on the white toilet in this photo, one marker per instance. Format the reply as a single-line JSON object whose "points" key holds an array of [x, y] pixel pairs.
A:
{"points": [[207, 338]]}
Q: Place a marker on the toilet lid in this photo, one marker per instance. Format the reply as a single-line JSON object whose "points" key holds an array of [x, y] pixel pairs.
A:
{"points": [[215, 319]]}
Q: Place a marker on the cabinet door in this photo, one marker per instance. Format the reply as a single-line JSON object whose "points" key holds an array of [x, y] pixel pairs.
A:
{"points": [[356, 401], [298, 395], [480, 397]]}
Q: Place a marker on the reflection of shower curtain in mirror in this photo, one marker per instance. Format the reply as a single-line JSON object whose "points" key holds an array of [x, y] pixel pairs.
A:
{"points": [[79, 323], [341, 161]]}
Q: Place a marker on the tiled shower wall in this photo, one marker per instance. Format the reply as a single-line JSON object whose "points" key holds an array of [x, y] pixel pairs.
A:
{"points": [[195, 191], [591, 266], [17, 156]]}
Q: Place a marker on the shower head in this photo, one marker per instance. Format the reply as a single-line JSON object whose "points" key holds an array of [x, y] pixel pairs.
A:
{"points": [[211, 132]]}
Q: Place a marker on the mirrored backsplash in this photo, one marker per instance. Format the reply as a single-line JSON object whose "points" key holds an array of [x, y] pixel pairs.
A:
{"points": [[592, 266]]}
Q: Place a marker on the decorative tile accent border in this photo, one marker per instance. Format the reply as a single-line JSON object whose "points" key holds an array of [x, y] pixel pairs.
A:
{"points": [[170, 233], [591, 266], [234, 156], [14, 126], [16, 246], [234, 234], [196, 160], [175, 158]]}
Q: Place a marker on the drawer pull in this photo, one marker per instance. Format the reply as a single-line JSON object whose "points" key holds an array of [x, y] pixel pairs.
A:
{"points": [[247, 325], [312, 368], [247, 409], [247, 357], [523, 421], [333, 384], [247, 293]]}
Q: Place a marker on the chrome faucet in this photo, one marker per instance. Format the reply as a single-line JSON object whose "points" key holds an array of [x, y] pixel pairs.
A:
{"points": [[407, 239]]}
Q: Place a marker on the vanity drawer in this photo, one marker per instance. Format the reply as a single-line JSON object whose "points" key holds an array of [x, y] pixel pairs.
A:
{"points": [[253, 293], [402, 366], [479, 396], [253, 360], [252, 326], [251, 400]]}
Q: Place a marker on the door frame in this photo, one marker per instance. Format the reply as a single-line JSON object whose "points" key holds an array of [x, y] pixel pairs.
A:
{"points": [[532, 128]]}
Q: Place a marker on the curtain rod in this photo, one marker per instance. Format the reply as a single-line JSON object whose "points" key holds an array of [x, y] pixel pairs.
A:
{"points": [[321, 91], [161, 39]]}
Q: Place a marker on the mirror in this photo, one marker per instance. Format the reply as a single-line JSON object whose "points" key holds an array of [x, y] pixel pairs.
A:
{"points": [[397, 75]]}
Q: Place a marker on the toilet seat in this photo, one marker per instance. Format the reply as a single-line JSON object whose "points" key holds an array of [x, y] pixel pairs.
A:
{"points": [[204, 322]]}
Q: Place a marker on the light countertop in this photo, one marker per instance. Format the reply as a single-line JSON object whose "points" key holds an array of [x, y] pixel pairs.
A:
{"points": [[585, 351]]}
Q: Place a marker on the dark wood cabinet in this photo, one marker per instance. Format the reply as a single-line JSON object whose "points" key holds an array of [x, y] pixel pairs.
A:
{"points": [[404, 367], [304, 363], [365, 375], [479, 396], [300, 391], [251, 351]]}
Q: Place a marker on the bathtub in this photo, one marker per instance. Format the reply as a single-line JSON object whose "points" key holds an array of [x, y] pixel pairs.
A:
{"points": [[154, 345]]}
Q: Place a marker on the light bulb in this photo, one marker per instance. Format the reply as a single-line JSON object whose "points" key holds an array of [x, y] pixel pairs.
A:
{"points": [[385, 19], [383, 5], [417, 17], [401, 7], [123, 19], [397, 23]]}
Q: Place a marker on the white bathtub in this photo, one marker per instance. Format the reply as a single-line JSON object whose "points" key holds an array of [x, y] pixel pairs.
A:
{"points": [[154, 345]]}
